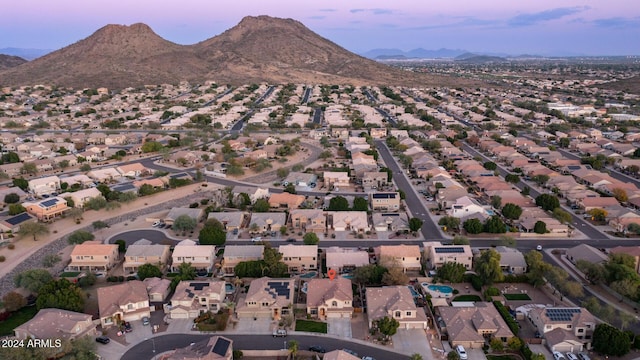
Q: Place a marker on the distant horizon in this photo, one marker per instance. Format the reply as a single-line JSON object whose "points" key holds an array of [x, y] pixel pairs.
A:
{"points": [[544, 27]]}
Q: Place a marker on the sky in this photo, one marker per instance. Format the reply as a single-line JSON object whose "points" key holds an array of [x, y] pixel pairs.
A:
{"points": [[540, 27]]}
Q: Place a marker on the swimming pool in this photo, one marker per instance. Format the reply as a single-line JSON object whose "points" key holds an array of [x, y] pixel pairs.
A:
{"points": [[347, 276], [438, 291], [309, 275], [414, 293], [491, 212]]}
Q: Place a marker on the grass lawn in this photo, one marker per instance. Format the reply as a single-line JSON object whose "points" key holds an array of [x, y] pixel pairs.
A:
{"points": [[16, 319], [311, 326], [467, 298], [517, 297]]}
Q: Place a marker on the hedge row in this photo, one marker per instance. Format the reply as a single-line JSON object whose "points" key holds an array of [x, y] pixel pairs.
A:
{"points": [[513, 325]]}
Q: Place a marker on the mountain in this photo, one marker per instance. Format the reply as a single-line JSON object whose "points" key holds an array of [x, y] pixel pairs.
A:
{"points": [[478, 59], [8, 61], [28, 54], [258, 49], [415, 53]]}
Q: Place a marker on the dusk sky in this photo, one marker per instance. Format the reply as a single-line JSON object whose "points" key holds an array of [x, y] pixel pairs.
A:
{"points": [[546, 27]]}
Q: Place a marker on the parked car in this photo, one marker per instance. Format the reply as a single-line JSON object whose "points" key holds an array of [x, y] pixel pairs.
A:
{"points": [[583, 356], [349, 351], [558, 356], [571, 356], [156, 223], [291, 240], [367, 358], [256, 239], [539, 247], [280, 333], [127, 327], [103, 339], [317, 348], [145, 321], [461, 352]]}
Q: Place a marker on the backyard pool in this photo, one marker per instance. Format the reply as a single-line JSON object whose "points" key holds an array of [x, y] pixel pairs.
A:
{"points": [[414, 293], [438, 291], [347, 276], [229, 289], [309, 275]]}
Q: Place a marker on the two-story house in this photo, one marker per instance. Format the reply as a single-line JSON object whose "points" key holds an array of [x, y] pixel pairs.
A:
{"points": [[395, 302], [406, 257], [230, 220], [437, 254], [267, 222], [195, 297], [138, 255], [299, 258], [44, 186], [128, 301], [157, 288], [564, 329], [333, 179], [93, 256], [308, 220], [47, 209], [345, 260], [81, 197], [268, 298], [385, 201], [201, 257], [56, 324], [374, 179], [470, 326], [213, 348], [330, 298], [234, 254]]}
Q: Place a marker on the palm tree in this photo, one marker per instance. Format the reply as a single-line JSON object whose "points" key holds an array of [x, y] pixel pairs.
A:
{"points": [[34, 229], [416, 357], [293, 348]]}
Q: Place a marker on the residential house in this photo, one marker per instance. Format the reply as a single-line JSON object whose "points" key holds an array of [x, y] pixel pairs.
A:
{"points": [[44, 186], [405, 256], [157, 288], [194, 297], [133, 170], [138, 255], [330, 298], [104, 175], [334, 179], [201, 257], [465, 206], [565, 329], [436, 254], [348, 221], [93, 256], [268, 298], [374, 179], [56, 324], [234, 254], [587, 253], [345, 260], [395, 302], [390, 221], [378, 133], [174, 213], [590, 203], [511, 260], [308, 220], [82, 180], [128, 301], [230, 220], [385, 201], [299, 258], [339, 355], [286, 200], [6, 190], [471, 325], [213, 348], [81, 197], [13, 223], [267, 222]]}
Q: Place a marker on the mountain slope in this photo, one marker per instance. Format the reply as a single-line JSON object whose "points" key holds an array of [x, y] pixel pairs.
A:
{"points": [[8, 61], [258, 49]]}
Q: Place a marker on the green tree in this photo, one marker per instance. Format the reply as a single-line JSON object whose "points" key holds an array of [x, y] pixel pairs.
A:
{"points": [[122, 245], [11, 198], [34, 229], [146, 189], [149, 271], [473, 226], [261, 206], [547, 202], [453, 355], [561, 215], [360, 204], [540, 227], [293, 348], [273, 262], [96, 203], [460, 240], [634, 228], [13, 301], [415, 224], [512, 178], [338, 203], [598, 214], [184, 223], [50, 260], [537, 268], [540, 179], [282, 172], [387, 326], [451, 271], [449, 222], [416, 356], [185, 273], [151, 146], [33, 279], [595, 273], [80, 236], [487, 266], [212, 233], [490, 165], [496, 201], [514, 344], [15, 209], [494, 225], [310, 239], [85, 167], [496, 344], [29, 168], [608, 340], [511, 211], [21, 183], [290, 188], [61, 294]]}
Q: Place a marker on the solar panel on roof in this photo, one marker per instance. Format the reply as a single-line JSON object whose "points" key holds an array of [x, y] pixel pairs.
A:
{"points": [[18, 219], [444, 250], [49, 202], [221, 347], [561, 314], [198, 285]]}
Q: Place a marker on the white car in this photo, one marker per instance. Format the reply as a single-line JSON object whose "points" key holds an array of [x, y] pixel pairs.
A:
{"points": [[539, 247], [461, 352], [256, 239], [571, 356], [156, 223], [558, 356]]}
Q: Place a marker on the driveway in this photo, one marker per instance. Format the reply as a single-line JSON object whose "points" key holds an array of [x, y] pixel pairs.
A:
{"points": [[250, 326], [412, 341], [339, 327], [476, 354], [179, 326], [139, 333], [110, 351]]}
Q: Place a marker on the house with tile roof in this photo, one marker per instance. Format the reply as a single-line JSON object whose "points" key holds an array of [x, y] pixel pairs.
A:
{"points": [[93, 256], [213, 348], [192, 298], [234, 254], [138, 255], [56, 324], [128, 301], [157, 288], [268, 298], [564, 328], [345, 260], [470, 326], [330, 298], [201, 257], [436, 254], [47, 209], [405, 256], [395, 302], [299, 258]]}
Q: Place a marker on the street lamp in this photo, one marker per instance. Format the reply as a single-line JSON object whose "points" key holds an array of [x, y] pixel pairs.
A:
{"points": [[153, 341], [285, 345]]}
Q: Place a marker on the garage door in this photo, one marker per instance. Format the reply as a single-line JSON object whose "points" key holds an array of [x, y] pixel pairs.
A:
{"points": [[562, 348], [179, 315]]}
